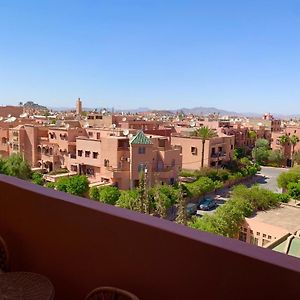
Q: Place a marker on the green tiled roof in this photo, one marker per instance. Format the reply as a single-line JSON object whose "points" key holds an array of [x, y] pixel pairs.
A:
{"points": [[140, 139]]}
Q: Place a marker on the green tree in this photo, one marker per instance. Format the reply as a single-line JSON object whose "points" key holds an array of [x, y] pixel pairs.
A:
{"points": [[204, 133], [129, 200], [293, 175], [284, 140], [296, 158], [260, 152], [78, 185], [62, 184], [2, 166], [16, 166], [252, 134], [294, 140], [181, 207], [294, 190], [109, 194], [275, 158], [37, 178], [94, 193]]}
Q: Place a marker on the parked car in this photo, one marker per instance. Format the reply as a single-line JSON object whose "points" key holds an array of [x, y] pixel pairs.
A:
{"points": [[207, 204], [191, 208]]}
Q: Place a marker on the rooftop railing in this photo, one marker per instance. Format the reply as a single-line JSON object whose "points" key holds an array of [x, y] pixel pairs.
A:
{"points": [[80, 244]]}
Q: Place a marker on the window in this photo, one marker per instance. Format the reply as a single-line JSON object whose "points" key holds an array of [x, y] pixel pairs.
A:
{"points": [[251, 231], [253, 240], [258, 233], [106, 163], [245, 229], [87, 153], [141, 167], [264, 235], [220, 149], [98, 135], [243, 236], [79, 153], [95, 154], [269, 237], [98, 117], [90, 133], [194, 150], [142, 150]]}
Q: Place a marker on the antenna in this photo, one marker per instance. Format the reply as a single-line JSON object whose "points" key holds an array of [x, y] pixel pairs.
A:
{"points": [[125, 132], [124, 119]]}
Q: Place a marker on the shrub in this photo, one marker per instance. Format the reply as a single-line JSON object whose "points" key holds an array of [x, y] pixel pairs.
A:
{"points": [[37, 178], [94, 193], [109, 194]]}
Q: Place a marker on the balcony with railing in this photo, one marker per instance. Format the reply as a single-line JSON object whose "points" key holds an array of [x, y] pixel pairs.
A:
{"points": [[80, 244]]}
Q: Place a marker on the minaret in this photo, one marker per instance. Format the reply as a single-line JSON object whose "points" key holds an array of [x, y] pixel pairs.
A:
{"points": [[78, 107]]}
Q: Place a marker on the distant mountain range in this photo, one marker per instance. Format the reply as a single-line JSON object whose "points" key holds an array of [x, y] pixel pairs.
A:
{"points": [[199, 110]]}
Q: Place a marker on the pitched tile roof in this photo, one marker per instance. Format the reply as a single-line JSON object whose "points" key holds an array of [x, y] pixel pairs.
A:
{"points": [[141, 139]]}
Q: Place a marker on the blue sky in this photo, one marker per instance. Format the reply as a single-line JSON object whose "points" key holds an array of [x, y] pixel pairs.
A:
{"points": [[233, 54]]}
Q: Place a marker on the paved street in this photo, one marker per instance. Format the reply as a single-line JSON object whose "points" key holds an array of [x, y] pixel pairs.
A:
{"points": [[267, 178]]}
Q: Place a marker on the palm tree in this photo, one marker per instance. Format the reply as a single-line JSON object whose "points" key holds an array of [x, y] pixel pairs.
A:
{"points": [[283, 140], [294, 140], [204, 133]]}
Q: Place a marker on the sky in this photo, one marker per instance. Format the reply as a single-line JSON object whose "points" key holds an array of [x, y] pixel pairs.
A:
{"points": [[164, 54]]}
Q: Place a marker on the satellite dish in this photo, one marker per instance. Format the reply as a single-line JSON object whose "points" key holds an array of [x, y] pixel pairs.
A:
{"points": [[124, 119], [9, 115], [125, 132], [130, 135], [259, 124], [67, 126], [1, 118], [86, 125], [113, 126], [192, 123], [145, 119]]}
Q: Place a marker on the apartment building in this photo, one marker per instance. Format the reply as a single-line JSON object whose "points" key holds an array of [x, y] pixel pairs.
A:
{"points": [[217, 150], [118, 160]]}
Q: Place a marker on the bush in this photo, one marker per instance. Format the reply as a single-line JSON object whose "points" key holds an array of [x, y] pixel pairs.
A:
{"points": [[76, 185], [50, 185], [128, 199], [200, 187], [37, 178], [109, 194], [294, 190], [260, 199], [293, 175], [285, 198], [94, 193]]}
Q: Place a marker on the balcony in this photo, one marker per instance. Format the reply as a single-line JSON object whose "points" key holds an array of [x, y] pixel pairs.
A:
{"points": [[80, 244], [218, 155]]}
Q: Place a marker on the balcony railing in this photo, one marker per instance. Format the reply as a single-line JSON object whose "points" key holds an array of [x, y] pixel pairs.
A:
{"points": [[80, 244]]}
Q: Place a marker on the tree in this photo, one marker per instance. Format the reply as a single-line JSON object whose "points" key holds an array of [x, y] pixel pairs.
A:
{"points": [[294, 140], [129, 200], [260, 152], [283, 140], [204, 133], [293, 175], [275, 158], [94, 193], [37, 178], [16, 166], [109, 194], [143, 199], [296, 158], [76, 185], [181, 207]]}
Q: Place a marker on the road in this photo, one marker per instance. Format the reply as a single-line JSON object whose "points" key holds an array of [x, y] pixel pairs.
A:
{"points": [[266, 178]]}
